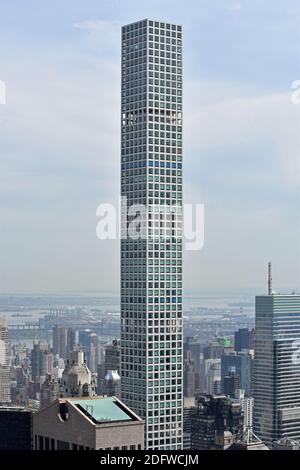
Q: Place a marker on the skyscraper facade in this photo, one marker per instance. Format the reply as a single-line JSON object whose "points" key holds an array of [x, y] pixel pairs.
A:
{"points": [[244, 339], [231, 383], [4, 363], [112, 356], [188, 375], [277, 368], [151, 263], [59, 341], [191, 344], [111, 363], [242, 364], [41, 361], [72, 341], [247, 407], [217, 419]]}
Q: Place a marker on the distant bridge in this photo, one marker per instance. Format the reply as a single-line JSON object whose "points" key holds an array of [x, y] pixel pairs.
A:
{"points": [[25, 326], [39, 329]]}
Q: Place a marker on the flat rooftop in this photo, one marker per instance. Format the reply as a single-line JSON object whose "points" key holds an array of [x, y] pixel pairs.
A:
{"points": [[104, 409]]}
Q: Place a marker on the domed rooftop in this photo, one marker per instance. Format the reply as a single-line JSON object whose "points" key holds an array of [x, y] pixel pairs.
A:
{"points": [[112, 376]]}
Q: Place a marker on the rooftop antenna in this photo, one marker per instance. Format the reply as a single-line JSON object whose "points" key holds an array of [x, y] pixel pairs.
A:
{"points": [[270, 292]]}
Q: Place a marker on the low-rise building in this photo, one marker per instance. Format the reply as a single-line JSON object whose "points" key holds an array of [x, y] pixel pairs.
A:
{"points": [[216, 423], [15, 428], [87, 423]]}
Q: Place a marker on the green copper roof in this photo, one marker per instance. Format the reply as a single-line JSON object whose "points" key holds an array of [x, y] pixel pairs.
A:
{"points": [[103, 409]]}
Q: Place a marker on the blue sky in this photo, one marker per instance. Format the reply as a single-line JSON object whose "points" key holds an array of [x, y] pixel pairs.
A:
{"points": [[59, 139]]}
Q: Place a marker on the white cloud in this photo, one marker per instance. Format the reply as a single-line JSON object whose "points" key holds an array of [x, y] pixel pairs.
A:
{"points": [[101, 34], [217, 117], [60, 158]]}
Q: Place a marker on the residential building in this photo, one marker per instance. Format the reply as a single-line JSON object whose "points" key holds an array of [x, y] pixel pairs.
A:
{"points": [[111, 362], [4, 363], [231, 383], [242, 364], [41, 361], [191, 344], [213, 378], [247, 404], [59, 335], [244, 339], [50, 390], [189, 413], [72, 341], [188, 375], [217, 423], [151, 247]]}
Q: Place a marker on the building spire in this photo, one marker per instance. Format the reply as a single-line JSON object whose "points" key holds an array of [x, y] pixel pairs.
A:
{"points": [[270, 292]]}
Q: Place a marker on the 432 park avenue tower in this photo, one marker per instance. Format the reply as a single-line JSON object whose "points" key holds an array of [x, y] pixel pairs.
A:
{"points": [[151, 263]]}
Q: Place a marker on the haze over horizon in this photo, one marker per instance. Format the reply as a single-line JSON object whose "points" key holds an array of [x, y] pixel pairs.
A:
{"points": [[60, 140]]}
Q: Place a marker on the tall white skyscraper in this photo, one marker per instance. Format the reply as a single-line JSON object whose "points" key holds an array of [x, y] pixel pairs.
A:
{"points": [[247, 407], [151, 264], [277, 367], [4, 363]]}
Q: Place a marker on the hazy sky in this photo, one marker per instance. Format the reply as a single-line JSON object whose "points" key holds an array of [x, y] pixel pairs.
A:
{"points": [[59, 139]]}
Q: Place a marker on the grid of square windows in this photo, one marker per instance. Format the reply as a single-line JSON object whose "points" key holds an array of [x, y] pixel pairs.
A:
{"points": [[151, 269]]}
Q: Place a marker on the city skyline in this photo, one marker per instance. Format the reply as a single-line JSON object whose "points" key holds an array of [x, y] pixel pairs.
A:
{"points": [[241, 142], [149, 174]]}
